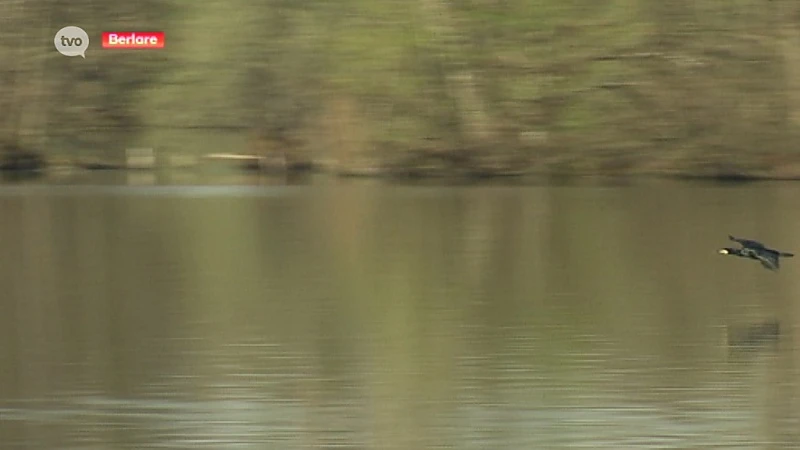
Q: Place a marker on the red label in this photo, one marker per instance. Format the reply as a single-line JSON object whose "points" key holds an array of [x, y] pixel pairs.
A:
{"points": [[133, 39]]}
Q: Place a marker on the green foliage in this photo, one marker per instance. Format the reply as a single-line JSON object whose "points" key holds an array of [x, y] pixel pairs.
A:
{"points": [[474, 73]]}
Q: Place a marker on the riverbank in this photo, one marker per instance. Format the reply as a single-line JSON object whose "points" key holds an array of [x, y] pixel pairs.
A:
{"points": [[424, 168]]}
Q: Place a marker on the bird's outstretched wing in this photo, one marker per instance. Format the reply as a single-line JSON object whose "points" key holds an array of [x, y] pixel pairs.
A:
{"points": [[769, 260], [747, 242]]}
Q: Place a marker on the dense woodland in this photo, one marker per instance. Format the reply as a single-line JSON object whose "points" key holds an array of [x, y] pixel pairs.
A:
{"points": [[428, 86]]}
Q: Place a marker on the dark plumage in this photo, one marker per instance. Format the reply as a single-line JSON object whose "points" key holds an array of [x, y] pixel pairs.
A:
{"points": [[768, 257]]}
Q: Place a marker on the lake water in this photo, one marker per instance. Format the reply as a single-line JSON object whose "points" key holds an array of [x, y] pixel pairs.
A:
{"points": [[252, 314]]}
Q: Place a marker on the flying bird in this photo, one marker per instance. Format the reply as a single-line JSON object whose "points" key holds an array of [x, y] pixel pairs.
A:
{"points": [[768, 257]]}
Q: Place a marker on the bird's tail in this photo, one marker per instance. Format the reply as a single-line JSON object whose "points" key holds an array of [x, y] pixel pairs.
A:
{"points": [[788, 255]]}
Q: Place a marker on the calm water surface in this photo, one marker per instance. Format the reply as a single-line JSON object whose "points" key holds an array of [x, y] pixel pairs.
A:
{"points": [[362, 315]]}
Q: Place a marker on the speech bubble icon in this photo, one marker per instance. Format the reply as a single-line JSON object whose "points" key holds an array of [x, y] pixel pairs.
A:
{"points": [[72, 41]]}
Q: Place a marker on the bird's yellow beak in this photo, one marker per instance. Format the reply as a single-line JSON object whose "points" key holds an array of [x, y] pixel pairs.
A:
{"points": [[723, 252]]}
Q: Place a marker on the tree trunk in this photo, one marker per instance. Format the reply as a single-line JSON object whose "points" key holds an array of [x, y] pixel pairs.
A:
{"points": [[460, 80]]}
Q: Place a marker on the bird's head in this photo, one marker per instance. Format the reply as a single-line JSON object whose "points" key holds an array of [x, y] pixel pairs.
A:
{"points": [[726, 251]]}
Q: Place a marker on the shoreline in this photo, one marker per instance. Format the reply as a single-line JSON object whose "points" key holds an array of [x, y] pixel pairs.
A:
{"points": [[35, 165]]}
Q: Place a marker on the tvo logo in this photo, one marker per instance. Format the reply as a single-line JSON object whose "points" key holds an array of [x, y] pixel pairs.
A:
{"points": [[72, 41]]}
